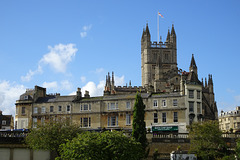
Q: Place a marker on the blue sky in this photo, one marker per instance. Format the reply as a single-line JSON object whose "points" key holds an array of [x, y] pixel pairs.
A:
{"points": [[63, 45]]}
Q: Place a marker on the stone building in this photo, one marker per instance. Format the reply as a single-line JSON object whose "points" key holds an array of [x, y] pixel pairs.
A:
{"points": [[174, 98], [6, 122], [230, 121]]}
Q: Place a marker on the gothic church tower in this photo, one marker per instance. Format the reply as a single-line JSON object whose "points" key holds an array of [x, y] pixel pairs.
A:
{"points": [[159, 61]]}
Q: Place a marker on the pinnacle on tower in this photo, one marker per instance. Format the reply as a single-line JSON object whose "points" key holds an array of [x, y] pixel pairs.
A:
{"points": [[168, 36], [147, 30], [193, 66], [173, 31]]}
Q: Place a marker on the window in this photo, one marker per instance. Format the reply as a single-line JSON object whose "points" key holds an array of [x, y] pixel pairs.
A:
{"points": [[4, 122], [128, 119], [85, 122], [51, 108], [198, 94], [43, 109], [175, 116], [113, 121], [128, 105], [17, 109], [175, 102], [164, 103], [85, 107], [34, 122], [164, 117], [198, 107], [35, 110], [191, 106], [112, 106], [155, 118], [191, 93], [155, 103], [166, 56], [68, 108], [23, 110], [59, 108], [42, 120], [25, 97]]}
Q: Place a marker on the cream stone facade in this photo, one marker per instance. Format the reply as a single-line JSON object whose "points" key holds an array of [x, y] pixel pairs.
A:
{"points": [[230, 121], [173, 98]]}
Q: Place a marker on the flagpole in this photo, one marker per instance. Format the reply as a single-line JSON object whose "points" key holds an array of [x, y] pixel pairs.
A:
{"points": [[158, 27]]}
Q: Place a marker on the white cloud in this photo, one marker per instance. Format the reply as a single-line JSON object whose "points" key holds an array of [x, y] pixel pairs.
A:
{"points": [[31, 73], [9, 93], [83, 34], [94, 90], [97, 90], [58, 58], [50, 85], [85, 29], [66, 85], [99, 70], [119, 81], [83, 79], [55, 86]]}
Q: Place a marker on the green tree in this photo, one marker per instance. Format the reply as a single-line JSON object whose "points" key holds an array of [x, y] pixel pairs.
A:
{"points": [[237, 149], [101, 146], [206, 140], [51, 135], [139, 125]]}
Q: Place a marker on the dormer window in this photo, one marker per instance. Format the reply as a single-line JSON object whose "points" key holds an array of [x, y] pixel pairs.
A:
{"points": [[25, 97]]}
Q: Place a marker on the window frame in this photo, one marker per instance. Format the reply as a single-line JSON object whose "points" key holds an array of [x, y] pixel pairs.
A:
{"points": [[164, 103], [23, 112], [155, 117], [175, 117], [191, 107], [155, 103], [164, 117], [51, 109], [175, 102], [128, 119], [191, 93]]}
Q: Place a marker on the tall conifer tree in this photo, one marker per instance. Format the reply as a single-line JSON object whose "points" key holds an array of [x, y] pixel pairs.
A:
{"points": [[139, 125]]}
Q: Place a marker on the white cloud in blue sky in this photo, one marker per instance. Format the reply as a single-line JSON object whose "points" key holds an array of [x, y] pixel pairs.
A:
{"points": [[58, 58], [9, 93], [85, 30]]}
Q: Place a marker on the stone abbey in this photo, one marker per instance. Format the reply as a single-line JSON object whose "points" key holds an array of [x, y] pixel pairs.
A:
{"points": [[174, 98]]}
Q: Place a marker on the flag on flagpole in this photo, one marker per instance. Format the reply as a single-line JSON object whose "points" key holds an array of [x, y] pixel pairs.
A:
{"points": [[160, 15]]}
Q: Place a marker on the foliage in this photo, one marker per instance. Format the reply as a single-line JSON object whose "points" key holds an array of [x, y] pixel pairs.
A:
{"points": [[206, 140], [139, 125], [101, 146], [51, 135], [237, 149]]}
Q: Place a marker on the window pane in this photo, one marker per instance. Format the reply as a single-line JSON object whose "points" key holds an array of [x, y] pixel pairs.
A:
{"points": [[191, 93], [128, 119], [85, 122], [175, 102], [155, 118], [191, 106], [128, 105], [155, 104], [59, 108], [23, 110], [85, 107], [51, 108], [175, 117], [164, 117]]}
